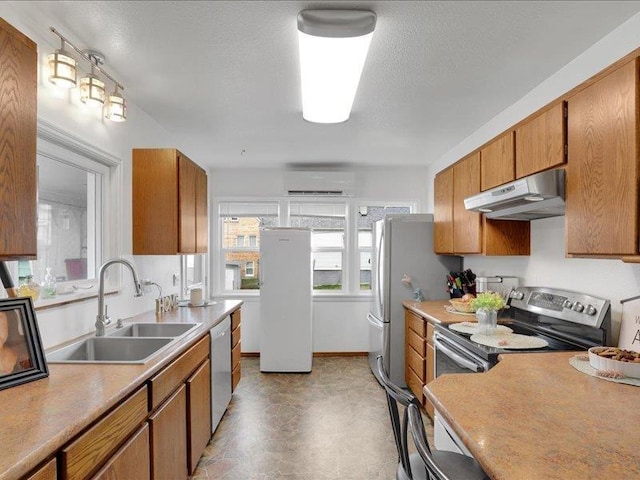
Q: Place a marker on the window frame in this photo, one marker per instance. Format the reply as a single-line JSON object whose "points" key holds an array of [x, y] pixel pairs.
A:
{"points": [[351, 250]]}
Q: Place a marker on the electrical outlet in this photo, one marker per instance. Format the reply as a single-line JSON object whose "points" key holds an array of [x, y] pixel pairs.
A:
{"points": [[176, 279]]}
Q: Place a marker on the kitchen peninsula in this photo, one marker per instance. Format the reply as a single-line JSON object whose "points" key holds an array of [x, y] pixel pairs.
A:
{"points": [[534, 416], [42, 421]]}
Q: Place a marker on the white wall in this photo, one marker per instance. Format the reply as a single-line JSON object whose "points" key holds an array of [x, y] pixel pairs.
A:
{"points": [[340, 324], [59, 324], [547, 265]]}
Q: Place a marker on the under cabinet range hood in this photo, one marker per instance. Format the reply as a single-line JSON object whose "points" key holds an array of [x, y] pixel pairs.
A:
{"points": [[537, 196]]}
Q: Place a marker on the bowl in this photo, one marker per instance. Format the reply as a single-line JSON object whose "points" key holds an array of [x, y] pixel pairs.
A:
{"points": [[461, 306], [628, 369]]}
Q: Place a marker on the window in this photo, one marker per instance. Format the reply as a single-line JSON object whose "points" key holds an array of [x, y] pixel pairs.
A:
{"points": [[192, 272], [327, 223], [241, 263], [75, 202], [248, 269], [342, 236], [367, 216]]}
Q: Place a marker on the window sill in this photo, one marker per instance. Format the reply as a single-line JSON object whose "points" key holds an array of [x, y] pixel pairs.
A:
{"points": [[68, 298], [321, 297]]}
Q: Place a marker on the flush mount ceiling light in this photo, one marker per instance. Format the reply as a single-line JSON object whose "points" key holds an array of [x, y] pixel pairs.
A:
{"points": [[63, 73], [333, 48], [62, 68]]}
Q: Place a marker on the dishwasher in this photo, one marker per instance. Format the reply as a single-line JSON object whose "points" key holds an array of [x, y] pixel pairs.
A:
{"points": [[220, 370]]}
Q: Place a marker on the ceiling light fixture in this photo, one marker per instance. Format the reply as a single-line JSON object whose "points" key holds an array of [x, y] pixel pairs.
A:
{"points": [[333, 49], [62, 68], [63, 73]]}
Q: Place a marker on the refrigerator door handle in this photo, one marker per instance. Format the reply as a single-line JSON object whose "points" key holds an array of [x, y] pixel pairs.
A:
{"points": [[380, 269], [376, 322]]}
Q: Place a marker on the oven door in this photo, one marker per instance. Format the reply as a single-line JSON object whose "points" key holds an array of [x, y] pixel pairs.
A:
{"points": [[451, 357]]}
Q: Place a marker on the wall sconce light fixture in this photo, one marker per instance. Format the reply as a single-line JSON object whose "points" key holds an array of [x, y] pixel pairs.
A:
{"points": [[63, 73]]}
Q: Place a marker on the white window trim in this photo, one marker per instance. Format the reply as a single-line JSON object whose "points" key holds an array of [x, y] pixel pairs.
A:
{"points": [[351, 252], [62, 146]]}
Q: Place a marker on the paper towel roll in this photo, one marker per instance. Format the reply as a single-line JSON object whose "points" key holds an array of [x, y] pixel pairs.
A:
{"points": [[195, 297]]}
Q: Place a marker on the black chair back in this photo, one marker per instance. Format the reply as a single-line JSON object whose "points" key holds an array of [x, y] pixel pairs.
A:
{"points": [[422, 446], [400, 426]]}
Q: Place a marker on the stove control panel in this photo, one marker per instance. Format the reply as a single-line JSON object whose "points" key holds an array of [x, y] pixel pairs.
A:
{"points": [[571, 306]]}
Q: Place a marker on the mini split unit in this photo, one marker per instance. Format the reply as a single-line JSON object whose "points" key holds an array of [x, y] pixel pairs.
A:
{"points": [[328, 184]]}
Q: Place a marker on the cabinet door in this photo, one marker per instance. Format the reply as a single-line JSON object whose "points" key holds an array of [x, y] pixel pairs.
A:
{"points": [[466, 225], [130, 461], [202, 212], [540, 142], [602, 171], [443, 212], [188, 173], [198, 414], [46, 472], [497, 162], [169, 438], [18, 183]]}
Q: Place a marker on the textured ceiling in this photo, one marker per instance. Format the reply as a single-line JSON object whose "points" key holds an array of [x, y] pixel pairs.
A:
{"points": [[223, 76]]}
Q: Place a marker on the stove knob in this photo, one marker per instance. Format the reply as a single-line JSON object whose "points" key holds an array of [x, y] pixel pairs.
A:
{"points": [[591, 310], [517, 295], [578, 307], [567, 304]]}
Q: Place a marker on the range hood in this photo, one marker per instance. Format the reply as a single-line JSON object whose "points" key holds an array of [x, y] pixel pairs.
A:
{"points": [[537, 196]]}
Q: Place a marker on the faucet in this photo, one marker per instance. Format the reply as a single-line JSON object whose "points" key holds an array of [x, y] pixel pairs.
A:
{"points": [[102, 319]]}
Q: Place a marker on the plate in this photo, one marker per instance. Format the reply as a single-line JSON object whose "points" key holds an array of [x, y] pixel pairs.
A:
{"points": [[472, 327], [450, 309], [509, 341]]}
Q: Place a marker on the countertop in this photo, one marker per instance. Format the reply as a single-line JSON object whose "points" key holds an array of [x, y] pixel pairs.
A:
{"points": [[434, 311], [533, 416], [39, 417]]}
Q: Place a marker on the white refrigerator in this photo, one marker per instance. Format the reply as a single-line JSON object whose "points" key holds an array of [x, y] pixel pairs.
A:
{"points": [[285, 300], [402, 245]]}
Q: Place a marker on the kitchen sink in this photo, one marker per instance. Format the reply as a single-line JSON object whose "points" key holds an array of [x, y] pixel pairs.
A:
{"points": [[109, 350], [153, 330]]}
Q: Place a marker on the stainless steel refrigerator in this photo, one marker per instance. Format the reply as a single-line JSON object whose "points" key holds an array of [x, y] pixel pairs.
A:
{"points": [[402, 245]]}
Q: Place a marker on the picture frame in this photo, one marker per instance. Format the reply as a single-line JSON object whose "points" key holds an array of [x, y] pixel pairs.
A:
{"points": [[22, 357]]}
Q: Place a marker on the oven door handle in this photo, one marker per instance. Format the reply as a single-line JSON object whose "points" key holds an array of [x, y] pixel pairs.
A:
{"points": [[459, 359]]}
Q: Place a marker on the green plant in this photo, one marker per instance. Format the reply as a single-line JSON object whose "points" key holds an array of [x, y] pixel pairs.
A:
{"points": [[488, 301]]}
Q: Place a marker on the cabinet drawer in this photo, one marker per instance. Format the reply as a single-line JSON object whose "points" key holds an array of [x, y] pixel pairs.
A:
{"points": [[235, 337], [89, 451], [175, 374], [430, 333], [416, 323], [416, 362], [235, 319], [46, 472], [416, 342], [415, 384], [235, 356], [130, 461], [235, 376]]}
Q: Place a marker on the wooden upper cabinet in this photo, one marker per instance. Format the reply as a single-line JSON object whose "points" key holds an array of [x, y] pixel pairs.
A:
{"points": [[466, 225], [602, 169], [541, 141], [497, 162], [169, 203], [443, 212], [18, 180]]}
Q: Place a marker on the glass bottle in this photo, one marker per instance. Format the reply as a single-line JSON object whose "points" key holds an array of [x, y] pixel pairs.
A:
{"points": [[29, 288], [49, 285]]}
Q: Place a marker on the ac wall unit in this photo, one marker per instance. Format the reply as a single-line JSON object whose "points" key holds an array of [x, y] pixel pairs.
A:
{"points": [[328, 184]]}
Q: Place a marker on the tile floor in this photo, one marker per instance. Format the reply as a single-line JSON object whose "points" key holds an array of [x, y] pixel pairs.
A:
{"points": [[332, 423]]}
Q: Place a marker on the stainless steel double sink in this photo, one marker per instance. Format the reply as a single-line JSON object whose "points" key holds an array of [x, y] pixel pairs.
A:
{"points": [[133, 343]]}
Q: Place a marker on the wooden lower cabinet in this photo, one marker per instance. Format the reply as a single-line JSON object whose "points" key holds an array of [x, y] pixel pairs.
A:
{"points": [[419, 356], [169, 438], [235, 350], [198, 414], [130, 461], [46, 472]]}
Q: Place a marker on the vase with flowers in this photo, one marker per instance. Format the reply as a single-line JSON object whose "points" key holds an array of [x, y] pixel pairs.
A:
{"points": [[486, 306]]}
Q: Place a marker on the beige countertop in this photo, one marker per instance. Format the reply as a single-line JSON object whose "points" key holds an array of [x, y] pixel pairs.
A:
{"points": [[533, 416], [434, 310], [39, 417]]}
